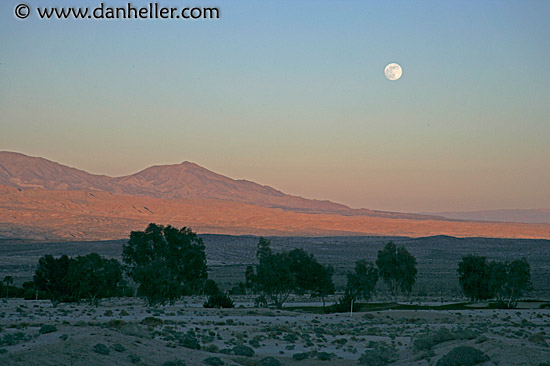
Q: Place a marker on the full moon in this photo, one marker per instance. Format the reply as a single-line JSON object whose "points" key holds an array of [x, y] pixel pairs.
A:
{"points": [[393, 71]]}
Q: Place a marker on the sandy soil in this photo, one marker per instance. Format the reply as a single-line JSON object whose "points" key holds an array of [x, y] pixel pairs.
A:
{"points": [[134, 334]]}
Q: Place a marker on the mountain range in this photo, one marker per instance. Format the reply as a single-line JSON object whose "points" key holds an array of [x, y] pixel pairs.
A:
{"points": [[40, 198]]}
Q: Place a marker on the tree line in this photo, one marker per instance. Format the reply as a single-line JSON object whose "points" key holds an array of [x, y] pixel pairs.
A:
{"points": [[166, 263]]}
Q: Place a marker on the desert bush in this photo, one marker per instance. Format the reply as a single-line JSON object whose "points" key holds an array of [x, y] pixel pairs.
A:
{"points": [[243, 350], [101, 349], [379, 354], [212, 348], [219, 300], [325, 356], [134, 358], [269, 361], [45, 329], [175, 362], [300, 356], [189, 340], [119, 347], [254, 343], [12, 339], [538, 339], [463, 356], [425, 342], [151, 321], [214, 361]]}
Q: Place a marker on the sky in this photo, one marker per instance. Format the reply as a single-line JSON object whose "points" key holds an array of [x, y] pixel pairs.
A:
{"points": [[292, 94]]}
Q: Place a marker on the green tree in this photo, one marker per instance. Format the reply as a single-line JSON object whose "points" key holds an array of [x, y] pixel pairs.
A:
{"points": [[310, 276], [8, 280], [51, 277], [473, 275], [93, 277], [280, 274], [275, 278], [497, 273], [360, 283], [249, 277], [165, 262], [397, 267], [518, 281]]}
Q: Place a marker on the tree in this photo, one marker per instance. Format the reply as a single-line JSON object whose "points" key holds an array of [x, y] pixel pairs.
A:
{"points": [[323, 284], [397, 267], [249, 277], [311, 276], [280, 274], [275, 278], [165, 262], [360, 283], [8, 280], [497, 273], [51, 277], [473, 275], [93, 277], [518, 281]]}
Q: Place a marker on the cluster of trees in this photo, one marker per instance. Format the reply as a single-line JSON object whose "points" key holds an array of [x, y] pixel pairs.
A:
{"points": [[504, 281], [394, 265], [164, 262], [167, 263], [90, 277], [277, 275]]}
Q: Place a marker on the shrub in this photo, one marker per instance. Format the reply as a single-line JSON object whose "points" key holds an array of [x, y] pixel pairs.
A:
{"points": [[269, 361], [119, 347], [254, 343], [219, 300], [214, 361], [45, 329], [300, 356], [174, 363], [379, 354], [243, 351], [101, 349], [134, 358], [427, 341], [212, 348], [463, 356], [189, 341], [538, 339], [325, 356]]}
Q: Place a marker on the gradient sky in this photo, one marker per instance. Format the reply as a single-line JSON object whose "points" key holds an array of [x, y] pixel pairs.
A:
{"points": [[292, 94]]}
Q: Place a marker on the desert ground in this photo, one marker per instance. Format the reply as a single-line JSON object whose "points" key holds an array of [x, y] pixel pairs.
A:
{"points": [[125, 332], [420, 330]]}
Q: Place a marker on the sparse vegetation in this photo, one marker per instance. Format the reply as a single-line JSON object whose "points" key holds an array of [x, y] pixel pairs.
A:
{"points": [[463, 356]]}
